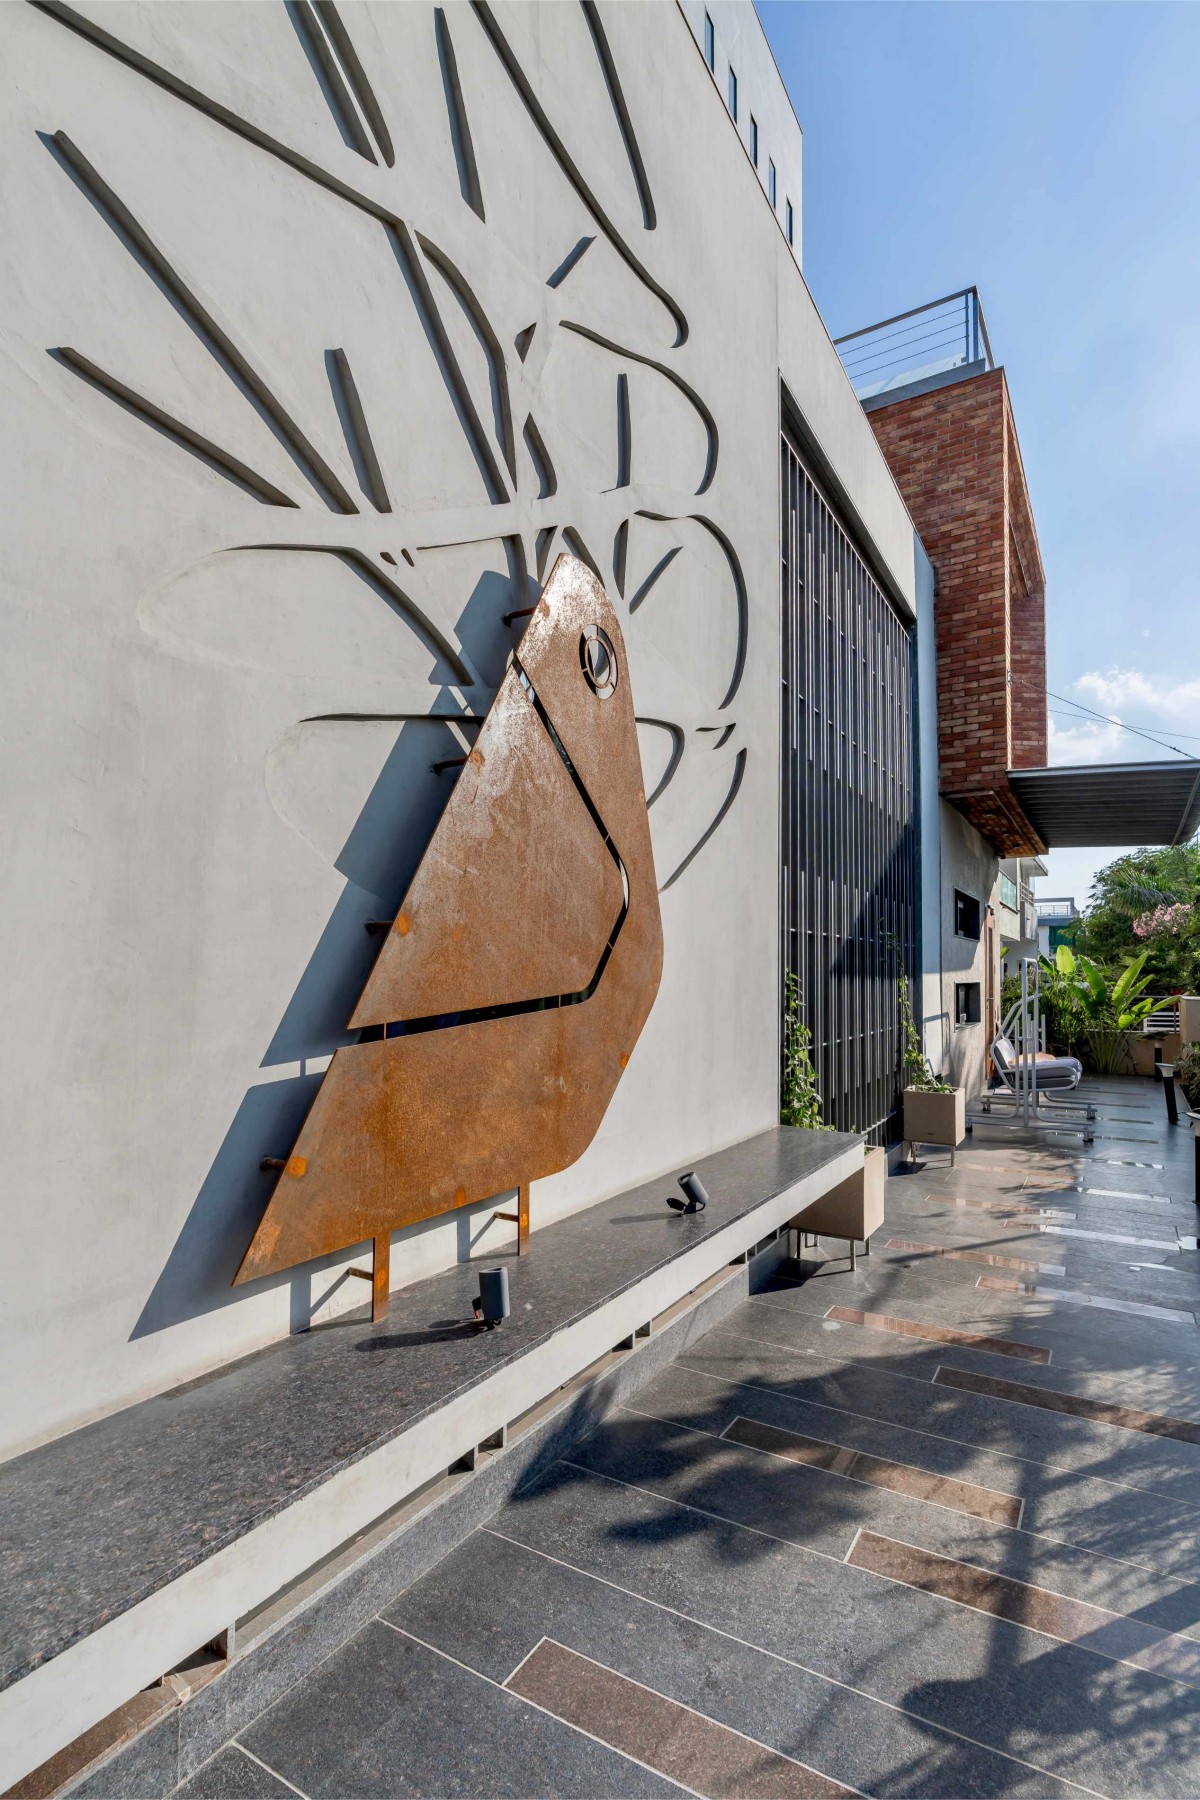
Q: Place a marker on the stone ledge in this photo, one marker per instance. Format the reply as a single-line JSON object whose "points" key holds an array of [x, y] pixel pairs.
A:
{"points": [[208, 1501]]}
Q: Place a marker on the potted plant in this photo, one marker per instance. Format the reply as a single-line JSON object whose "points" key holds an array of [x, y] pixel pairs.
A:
{"points": [[854, 1208], [935, 1112]]}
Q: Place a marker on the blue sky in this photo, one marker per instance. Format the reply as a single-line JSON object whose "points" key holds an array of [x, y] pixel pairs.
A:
{"points": [[1049, 153]]}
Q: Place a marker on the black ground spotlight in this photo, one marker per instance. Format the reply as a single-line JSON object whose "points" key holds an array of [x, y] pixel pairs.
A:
{"points": [[694, 1190], [491, 1302]]}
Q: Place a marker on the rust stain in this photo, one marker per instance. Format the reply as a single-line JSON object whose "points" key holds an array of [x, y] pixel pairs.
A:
{"points": [[296, 1165], [541, 865]]}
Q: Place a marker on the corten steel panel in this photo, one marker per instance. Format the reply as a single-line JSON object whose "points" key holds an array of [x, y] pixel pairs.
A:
{"points": [[411, 1126], [501, 904]]}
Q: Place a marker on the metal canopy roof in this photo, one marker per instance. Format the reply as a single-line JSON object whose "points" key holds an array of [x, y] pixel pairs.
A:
{"points": [[1120, 804]]}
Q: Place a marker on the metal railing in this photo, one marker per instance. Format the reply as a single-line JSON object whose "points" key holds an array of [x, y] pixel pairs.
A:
{"points": [[933, 339], [1060, 908]]}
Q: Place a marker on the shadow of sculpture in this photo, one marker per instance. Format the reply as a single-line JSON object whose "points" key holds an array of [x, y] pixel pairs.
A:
{"points": [[378, 860]]}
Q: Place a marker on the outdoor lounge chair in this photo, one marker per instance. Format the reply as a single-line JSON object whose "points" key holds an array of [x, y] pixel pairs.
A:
{"points": [[1055, 1074]]}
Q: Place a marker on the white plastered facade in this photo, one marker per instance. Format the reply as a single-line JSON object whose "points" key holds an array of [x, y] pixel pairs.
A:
{"points": [[247, 606]]}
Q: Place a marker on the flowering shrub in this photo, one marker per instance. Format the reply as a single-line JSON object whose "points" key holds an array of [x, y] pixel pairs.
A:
{"points": [[1187, 1072], [1167, 921]]}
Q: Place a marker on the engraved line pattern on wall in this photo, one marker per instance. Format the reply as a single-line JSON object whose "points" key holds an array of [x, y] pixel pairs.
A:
{"points": [[574, 255], [391, 591], [404, 243], [439, 342], [624, 432], [357, 433], [192, 96], [356, 78], [569, 168], [739, 771], [539, 456], [624, 123], [225, 352], [330, 79], [488, 343], [238, 472], [672, 375], [456, 113]]}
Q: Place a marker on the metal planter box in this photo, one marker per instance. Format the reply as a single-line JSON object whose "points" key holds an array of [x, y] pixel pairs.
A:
{"points": [[935, 1118], [854, 1208]]}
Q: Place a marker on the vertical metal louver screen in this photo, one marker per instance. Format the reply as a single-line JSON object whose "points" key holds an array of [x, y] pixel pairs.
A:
{"points": [[849, 862]]}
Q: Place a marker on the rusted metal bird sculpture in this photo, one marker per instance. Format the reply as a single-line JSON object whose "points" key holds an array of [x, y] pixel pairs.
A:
{"points": [[517, 975]]}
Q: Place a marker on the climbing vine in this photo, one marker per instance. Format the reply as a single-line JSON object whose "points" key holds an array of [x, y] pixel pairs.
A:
{"points": [[800, 1098]]}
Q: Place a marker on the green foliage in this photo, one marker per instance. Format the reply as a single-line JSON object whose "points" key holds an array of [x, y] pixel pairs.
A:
{"points": [[1187, 1073], [800, 1098], [1113, 1004], [1107, 1007], [1060, 1003], [1127, 894], [917, 1073]]}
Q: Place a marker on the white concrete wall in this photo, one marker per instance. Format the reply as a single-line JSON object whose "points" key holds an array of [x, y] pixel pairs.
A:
{"points": [[970, 865], [928, 1001], [740, 44], [219, 710]]}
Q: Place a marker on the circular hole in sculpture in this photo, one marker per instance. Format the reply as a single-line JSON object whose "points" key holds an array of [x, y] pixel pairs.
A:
{"points": [[599, 661]]}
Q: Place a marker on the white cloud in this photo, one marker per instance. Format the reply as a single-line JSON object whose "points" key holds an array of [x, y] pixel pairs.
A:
{"points": [[1126, 695], [1152, 701], [1092, 742]]}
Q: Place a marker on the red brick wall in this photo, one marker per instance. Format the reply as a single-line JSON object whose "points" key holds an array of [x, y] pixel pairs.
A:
{"points": [[956, 461], [1027, 627]]}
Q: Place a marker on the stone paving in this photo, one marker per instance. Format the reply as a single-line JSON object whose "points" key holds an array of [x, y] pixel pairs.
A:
{"points": [[924, 1529]]}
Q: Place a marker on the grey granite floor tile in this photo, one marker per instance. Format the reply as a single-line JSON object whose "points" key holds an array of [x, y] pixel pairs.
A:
{"points": [[1100, 1629], [822, 1510], [149, 1766], [883, 1472], [899, 1325], [786, 1500], [492, 1601], [387, 1716], [1088, 1295], [233, 1775], [686, 1745], [1153, 1359], [1121, 1524], [1061, 1708], [821, 1375]]}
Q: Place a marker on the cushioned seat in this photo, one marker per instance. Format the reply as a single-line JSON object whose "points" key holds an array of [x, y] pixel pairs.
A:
{"points": [[1053, 1072]]}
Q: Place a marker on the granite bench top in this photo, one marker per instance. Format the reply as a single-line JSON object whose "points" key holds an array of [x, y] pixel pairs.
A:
{"points": [[98, 1520]]}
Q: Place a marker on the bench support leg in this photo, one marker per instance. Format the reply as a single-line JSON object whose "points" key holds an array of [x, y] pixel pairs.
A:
{"points": [[381, 1277]]}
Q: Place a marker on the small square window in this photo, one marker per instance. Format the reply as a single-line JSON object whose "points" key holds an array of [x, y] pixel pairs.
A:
{"points": [[966, 1003], [754, 140], [791, 224], [733, 96], [967, 918], [710, 44], [771, 182]]}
